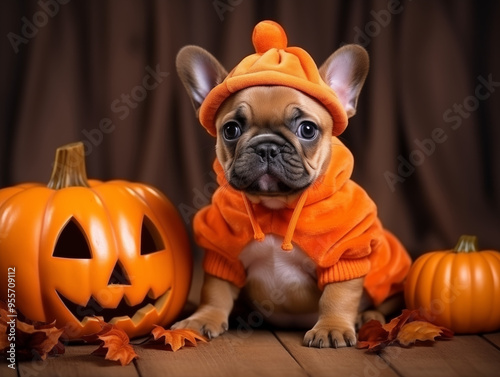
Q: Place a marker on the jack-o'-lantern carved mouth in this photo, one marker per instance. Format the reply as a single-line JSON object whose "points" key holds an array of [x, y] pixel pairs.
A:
{"points": [[123, 310]]}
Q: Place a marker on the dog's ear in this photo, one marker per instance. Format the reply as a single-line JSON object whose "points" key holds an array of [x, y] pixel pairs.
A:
{"points": [[199, 71], [345, 72]]}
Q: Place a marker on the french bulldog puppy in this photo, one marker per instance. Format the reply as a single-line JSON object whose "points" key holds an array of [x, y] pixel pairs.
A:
{"points": [[273, 144]]}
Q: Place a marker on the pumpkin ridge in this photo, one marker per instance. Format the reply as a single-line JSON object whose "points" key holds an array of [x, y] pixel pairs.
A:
{"points": [[455, 305], [40, 238], [483, 262], [447, 264], [412, 279], [14, 195], [36, 272], [435, 264], [111, 227], [494, 279], [466, 265]]}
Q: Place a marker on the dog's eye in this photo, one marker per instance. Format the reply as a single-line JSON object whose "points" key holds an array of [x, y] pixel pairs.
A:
{"points": [[231, 130], [307, 130]]}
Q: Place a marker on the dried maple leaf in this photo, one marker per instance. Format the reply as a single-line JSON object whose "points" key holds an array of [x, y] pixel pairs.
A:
{"points": [[40, 338], [33, 339], [372, 335], [406, 329], [116, 344], [421, 330], [176, 339], [118, 347]]}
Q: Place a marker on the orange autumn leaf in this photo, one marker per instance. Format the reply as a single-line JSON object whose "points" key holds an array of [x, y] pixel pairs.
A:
{"points": [[119, 348], [372, 335], [406, 329], [116, 344], [42, 344], [32, 338], [176, 339], [407, 316], [389, 327], [421, 330]]}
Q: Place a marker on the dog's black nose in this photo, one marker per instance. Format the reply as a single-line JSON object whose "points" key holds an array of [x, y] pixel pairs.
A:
{"points": [[267, 151]]}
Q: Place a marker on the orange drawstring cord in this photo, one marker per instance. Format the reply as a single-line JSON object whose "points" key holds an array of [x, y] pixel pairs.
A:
{"points": [[287, 241], [257, 232]]}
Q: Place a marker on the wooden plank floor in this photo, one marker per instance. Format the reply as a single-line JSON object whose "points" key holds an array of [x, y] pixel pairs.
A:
{"points": [[268, 353]]}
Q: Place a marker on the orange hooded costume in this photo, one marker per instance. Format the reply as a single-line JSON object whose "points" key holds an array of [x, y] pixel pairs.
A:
{"points": [[334, 221]]}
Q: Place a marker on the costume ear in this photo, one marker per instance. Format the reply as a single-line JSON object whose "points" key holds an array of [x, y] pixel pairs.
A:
{"points": [[345, 72], [199, 71]]}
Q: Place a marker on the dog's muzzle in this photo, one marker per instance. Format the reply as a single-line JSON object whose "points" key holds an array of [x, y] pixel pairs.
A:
{"points": [[268, 164]]}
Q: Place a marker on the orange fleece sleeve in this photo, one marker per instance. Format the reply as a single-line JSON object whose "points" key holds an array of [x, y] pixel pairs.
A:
{"points": [[223, 234]]}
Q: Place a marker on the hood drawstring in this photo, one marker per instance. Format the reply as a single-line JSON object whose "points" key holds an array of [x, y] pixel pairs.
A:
{"points": [[287, 240], [257, 232]]}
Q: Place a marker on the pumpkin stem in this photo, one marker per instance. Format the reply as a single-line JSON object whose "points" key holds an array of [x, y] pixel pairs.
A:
{"points": [[69, 167], [466, 244]]}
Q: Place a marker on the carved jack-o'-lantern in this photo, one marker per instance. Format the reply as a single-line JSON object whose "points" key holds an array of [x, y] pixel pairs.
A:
{"points": [[83, 249]]}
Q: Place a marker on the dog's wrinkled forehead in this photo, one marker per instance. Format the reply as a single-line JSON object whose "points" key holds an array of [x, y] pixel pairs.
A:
{"points": [[271, 108]]}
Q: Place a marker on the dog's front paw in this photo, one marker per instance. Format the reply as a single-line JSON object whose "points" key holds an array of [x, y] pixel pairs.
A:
{"points": [[210, 323], [330, 335]]}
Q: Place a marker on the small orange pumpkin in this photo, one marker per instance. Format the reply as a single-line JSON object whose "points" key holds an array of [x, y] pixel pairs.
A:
{"points": [[458, 289], [80, 248]]}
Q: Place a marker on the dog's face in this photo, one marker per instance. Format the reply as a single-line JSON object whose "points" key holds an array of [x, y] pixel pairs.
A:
{"points": [[273, 142]]}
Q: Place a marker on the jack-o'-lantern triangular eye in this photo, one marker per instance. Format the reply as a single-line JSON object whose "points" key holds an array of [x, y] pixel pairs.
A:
{"points": [[151, 240], [72, 242]]}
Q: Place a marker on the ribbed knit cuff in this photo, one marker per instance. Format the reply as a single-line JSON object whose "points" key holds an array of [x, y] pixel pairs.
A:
{"points": [[232, 271], [344, 269]]}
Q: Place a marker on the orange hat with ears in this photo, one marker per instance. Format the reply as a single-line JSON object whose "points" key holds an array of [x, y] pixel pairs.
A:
{"points": [[274, 64]]}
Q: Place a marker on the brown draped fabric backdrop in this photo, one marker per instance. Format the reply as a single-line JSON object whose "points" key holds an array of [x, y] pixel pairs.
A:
{"points": [[426, 138]]}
